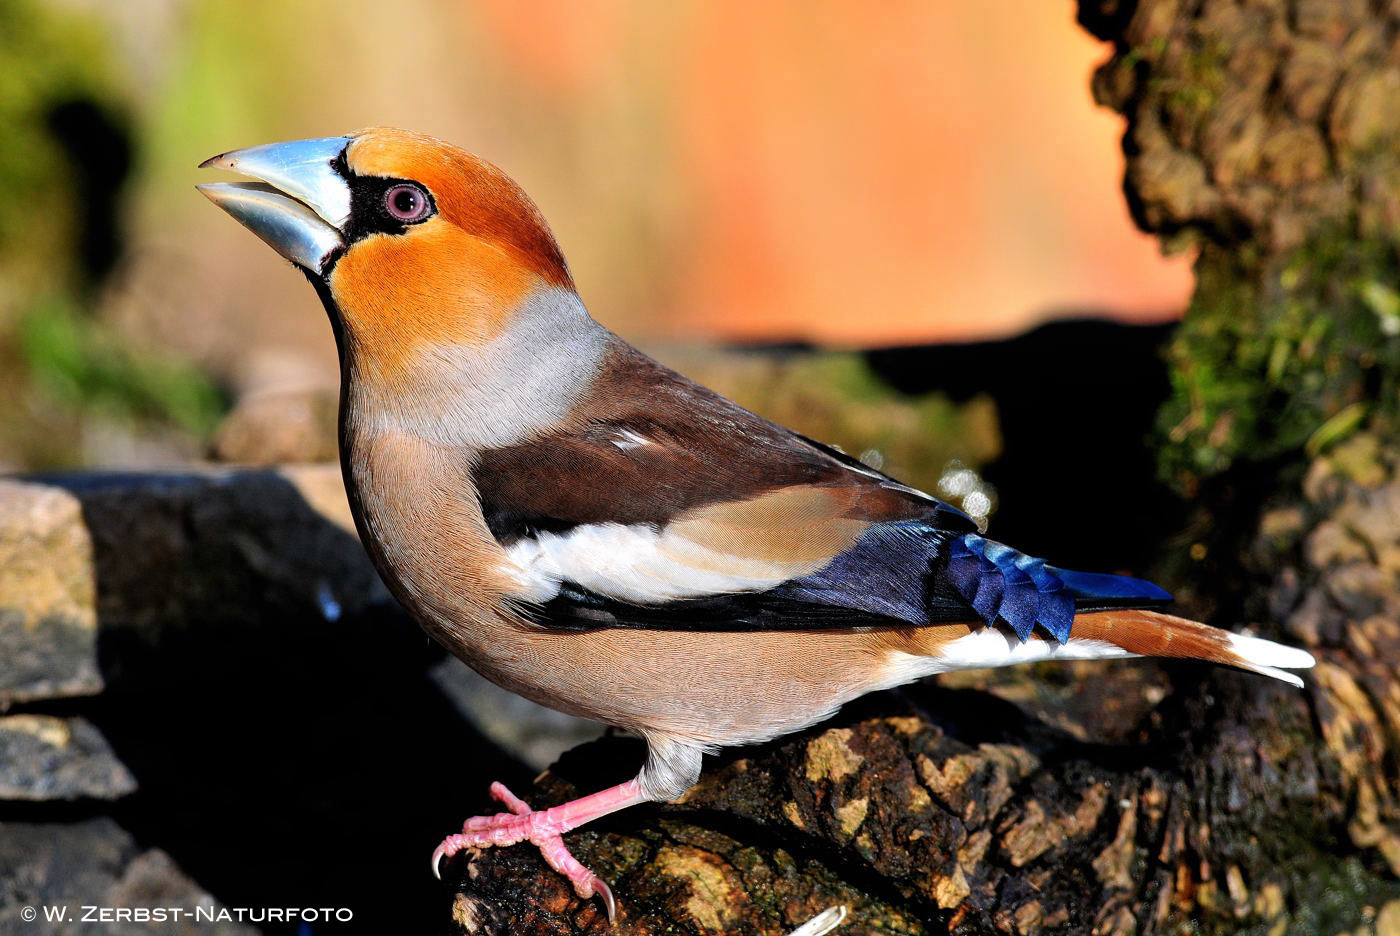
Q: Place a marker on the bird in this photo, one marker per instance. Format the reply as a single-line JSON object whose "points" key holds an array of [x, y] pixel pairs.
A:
{"points": [[600, 534]]}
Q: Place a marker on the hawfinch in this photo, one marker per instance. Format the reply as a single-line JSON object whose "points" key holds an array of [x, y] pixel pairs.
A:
{"points": [[599, 534]]}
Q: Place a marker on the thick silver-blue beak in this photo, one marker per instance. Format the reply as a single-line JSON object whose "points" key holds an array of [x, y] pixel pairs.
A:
{"points": [[301, 203]]}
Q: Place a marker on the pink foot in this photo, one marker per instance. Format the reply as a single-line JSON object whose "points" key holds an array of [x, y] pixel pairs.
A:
{"points": [[545, 830]]}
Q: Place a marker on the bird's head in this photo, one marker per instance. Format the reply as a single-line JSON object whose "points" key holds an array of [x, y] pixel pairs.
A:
{"points": [[410, 241]]}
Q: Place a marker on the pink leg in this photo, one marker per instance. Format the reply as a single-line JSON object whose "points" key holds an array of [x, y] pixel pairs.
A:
{"points": [[545, 830]]}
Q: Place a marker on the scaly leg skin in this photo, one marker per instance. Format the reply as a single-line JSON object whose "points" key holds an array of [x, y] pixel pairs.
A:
{"points": [[545, 830]]}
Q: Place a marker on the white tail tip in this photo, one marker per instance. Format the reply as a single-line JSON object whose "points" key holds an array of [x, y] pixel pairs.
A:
{"points": [[1269, 658]]}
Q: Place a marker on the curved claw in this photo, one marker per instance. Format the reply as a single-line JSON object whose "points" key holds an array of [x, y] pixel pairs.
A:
{"points": [[604, 893], [446, 849], [437, 860]]}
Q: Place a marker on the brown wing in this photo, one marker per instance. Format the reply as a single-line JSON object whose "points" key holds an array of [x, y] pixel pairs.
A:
{"points": [[657, 448], [663, 501]]}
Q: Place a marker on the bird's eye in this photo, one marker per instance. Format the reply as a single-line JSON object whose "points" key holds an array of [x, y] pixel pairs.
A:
{"points": [[407, 202]]}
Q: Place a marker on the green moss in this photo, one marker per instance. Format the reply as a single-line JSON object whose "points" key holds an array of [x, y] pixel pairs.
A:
{"points": [[1193, 87], [1281, 355]]}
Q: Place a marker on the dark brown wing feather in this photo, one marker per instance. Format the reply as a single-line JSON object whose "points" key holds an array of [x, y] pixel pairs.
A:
{"points": [[700, 449]]}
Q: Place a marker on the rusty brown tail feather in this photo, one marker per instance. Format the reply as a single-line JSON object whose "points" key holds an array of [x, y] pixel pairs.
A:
{"points": [[1152, 633]]}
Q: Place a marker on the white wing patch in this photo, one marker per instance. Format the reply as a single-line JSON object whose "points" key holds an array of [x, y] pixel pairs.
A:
{"points": [[989, 647], [637, 563]]}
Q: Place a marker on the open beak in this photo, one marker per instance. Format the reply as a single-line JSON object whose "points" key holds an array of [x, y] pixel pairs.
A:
{"points": [[299, 206]]}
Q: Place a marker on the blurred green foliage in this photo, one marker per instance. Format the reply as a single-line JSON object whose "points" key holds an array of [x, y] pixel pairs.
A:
{"points": [[86, 367], [64, 369], [215, 92], [1280, 355], [47, 55]]}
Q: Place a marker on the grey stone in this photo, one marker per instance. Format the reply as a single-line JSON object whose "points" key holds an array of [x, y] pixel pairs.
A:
{"points": [[48, 620], [1332, 544], [43, 757], [277, 428], [64, 867], [151, 557], [196, 550], [1373, 515]]}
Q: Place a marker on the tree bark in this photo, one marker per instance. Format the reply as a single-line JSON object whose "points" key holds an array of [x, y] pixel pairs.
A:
{"points": [[1137, 797]]}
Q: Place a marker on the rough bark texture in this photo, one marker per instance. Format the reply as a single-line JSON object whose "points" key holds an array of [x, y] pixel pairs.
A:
{"points": [[1161, 799], [1266, 134]]}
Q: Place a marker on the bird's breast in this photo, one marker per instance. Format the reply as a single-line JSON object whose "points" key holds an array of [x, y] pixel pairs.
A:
{"points": [[422, 525]]}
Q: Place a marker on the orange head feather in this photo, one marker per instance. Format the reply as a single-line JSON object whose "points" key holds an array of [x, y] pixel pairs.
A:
{"points": [[455, 278]]}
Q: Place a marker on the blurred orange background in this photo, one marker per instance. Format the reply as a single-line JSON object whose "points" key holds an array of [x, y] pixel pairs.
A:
{"points": [[852, 175]]}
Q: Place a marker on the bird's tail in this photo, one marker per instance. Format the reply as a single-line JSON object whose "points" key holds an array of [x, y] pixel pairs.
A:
{"points": [[1152, 633]]}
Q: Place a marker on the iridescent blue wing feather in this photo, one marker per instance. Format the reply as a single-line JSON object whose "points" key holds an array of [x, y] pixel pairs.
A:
{"points": [[924, 575]]}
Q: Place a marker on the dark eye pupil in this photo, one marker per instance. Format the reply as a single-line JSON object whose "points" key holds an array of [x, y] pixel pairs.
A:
{"points": [[406, 202]]}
